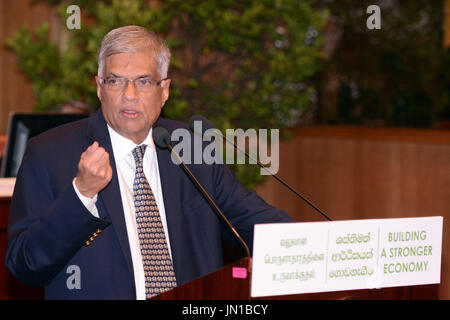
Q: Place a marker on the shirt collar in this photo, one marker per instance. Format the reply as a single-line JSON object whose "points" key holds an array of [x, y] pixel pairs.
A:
{"points": [[123, 146]]}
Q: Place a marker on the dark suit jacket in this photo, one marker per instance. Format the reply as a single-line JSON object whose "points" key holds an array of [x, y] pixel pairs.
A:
{"points": [[48, 224]]}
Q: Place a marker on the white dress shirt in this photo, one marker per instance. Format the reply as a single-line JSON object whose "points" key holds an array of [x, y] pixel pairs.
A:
{"points": [[126, 167]]}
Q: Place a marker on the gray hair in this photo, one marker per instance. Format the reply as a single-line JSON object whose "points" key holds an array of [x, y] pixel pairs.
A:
{"points": [[133, 39]]}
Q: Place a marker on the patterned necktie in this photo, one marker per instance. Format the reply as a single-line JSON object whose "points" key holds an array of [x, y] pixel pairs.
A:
{"points": [[158, 268]]}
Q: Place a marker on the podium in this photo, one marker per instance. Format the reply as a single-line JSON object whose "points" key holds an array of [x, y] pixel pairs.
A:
{"points": [[221, 285]]}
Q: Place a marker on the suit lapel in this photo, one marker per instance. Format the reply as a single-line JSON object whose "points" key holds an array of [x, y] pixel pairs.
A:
{"points": [[171, 188], [110, 196]]}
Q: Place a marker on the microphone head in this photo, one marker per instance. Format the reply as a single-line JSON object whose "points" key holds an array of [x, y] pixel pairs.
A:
{"points": [[161, 137], [206, 124]]}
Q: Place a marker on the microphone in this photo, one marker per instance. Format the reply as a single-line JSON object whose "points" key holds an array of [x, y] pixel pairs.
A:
{"points": [[206, 124], [162, 139]]}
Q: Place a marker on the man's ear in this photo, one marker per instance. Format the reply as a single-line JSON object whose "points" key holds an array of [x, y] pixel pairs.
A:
{"points": [[97, 80], [165, 92]]}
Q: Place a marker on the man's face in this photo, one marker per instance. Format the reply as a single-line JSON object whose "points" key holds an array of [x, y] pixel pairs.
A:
{"points": [[130, 112]]}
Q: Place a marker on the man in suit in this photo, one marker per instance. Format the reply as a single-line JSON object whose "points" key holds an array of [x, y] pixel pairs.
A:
{"points": [[75, 223]]}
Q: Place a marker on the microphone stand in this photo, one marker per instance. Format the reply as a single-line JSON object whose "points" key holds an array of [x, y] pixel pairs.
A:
{"points": [[210, 200]]}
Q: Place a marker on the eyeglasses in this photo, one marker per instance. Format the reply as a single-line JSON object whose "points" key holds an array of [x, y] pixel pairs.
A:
{"points": [[143, 84]]}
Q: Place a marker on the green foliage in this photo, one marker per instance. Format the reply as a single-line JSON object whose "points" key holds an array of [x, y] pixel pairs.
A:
{"points": [[396, 76], [240, 63]]}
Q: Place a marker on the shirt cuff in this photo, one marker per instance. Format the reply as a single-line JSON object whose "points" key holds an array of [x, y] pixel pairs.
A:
{"points": [[89, 203]]}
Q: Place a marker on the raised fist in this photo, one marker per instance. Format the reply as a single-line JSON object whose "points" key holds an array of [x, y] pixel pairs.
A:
{"points": [[94, 171]]}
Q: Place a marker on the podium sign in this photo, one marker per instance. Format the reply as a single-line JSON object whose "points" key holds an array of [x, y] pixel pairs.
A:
{"points": [[293, 258]]}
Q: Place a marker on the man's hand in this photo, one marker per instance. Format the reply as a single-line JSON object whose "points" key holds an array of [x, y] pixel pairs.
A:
{"points": [[94, 171]]}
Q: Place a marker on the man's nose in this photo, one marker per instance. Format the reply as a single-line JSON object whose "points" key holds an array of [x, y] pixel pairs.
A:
{"points": [[130, 92]]}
